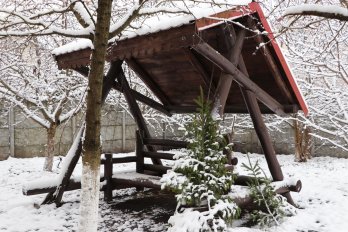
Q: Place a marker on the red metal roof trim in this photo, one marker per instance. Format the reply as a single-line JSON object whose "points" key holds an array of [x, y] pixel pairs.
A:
{"points": [[254, 7]]}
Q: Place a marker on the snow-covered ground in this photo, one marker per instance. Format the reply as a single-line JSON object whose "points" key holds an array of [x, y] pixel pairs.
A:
{"points": [[323, 200]]}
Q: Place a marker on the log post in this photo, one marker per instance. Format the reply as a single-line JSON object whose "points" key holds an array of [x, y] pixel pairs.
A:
{"points": [[108, 170], [139, 152], [135, 111], [261, 129], [226, 79]]}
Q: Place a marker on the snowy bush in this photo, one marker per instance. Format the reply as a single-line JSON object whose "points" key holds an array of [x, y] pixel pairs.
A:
{"points": [[199, 177]]}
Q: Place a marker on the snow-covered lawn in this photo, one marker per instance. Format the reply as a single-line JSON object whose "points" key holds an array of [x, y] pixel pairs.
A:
{"points": [[323, 200]]}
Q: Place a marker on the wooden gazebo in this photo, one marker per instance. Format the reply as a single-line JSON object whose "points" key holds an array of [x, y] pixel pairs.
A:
{"points": [[231, 54]]}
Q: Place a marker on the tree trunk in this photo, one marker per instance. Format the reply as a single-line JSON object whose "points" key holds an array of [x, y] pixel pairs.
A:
{"points": [[303, 141], [92, 146], [50, 147]]}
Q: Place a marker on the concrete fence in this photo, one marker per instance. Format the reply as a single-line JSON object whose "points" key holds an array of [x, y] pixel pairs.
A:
{"points": [[22, 137]]}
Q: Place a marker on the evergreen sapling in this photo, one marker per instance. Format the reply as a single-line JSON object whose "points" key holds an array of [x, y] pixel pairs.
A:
{"points": [[199, 176]]}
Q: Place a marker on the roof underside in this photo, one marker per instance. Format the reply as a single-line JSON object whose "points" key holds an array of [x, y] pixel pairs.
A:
{"points": [[174, 72]]}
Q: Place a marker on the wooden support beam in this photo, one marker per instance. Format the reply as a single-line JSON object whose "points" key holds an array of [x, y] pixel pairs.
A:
{"points": [[271, 63], [261, 129], [159, 155], [166, 143], [225, 81], [262, 133], [135, 111], [139, 151], [108, 170], [208, 83], [56, 195], [211, 54], [144, 99], [147, 79]]}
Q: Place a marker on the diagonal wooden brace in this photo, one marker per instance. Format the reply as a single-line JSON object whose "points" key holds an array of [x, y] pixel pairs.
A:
{"points": [[214, 56]]}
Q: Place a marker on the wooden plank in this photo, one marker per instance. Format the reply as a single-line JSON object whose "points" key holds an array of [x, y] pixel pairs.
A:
{"points": [[128, 183], [159, 155], [165, 143], [147, 79], [135, 111], [225, 65], [208, 83]]}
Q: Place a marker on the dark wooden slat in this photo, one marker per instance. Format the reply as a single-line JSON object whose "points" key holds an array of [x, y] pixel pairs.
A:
{"points": [[200, 69], [147, 79], [128, 183], [166, 143], [159, 155], [135, 111], [211, 54], [144, 99], [156, 168], [108, 170]]}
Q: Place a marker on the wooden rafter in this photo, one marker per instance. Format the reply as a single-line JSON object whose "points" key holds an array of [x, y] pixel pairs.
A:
{"points": [[201, 70], [272, 64], [211, 54], [147, 79]]}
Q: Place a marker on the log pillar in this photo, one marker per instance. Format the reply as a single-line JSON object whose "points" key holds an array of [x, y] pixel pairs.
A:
{"points": [[261, 129], [108, 170], [135, 111]]}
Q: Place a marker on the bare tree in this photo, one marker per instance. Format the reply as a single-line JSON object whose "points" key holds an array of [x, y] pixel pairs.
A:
{"points": [[42, 92]]}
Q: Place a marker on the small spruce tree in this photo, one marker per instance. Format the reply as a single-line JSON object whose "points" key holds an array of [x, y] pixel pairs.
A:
{"points": [[199, 176], [263, 194]]}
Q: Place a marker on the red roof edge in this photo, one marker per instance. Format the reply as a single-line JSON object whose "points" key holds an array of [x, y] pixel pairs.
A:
{"points": [[254, 7]]}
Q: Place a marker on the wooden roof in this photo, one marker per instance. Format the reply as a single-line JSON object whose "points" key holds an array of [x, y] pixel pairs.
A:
{"points": [[168, 65]]}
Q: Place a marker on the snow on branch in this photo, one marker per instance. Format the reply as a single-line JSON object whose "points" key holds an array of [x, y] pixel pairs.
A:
{"points": [[330, 12]]}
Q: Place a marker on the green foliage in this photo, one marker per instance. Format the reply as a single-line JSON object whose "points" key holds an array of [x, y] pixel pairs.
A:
{"points": [[204, 165], [264, 196], [199, 175]]}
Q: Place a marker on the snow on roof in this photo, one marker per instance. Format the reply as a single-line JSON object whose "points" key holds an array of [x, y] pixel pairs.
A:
{"points": [[155, 24], [73, 46], [316, 8]]}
